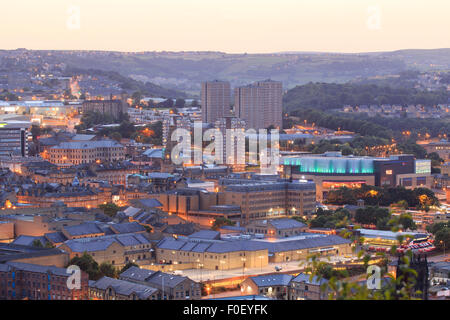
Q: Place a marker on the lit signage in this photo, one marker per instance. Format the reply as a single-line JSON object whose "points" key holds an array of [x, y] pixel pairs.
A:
{"points": [[423, 166]]}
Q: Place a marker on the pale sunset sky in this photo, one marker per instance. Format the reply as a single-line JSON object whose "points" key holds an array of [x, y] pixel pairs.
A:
{"points": [[234, 26]]}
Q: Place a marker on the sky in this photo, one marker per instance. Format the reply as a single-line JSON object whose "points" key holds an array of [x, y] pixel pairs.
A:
{"points": [[233, 26]]}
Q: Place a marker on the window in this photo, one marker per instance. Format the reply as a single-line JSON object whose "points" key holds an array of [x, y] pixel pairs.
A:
{"points": [[388, 172]]}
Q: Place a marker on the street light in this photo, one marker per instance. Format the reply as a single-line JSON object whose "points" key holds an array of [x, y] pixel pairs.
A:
{"points": [[243, 266], [222, 263], [200, 266]]}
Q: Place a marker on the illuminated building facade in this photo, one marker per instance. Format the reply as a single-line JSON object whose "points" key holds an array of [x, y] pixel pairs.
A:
{"points": [[76, 152], [270, 199], [14, 138], [331, 171]]}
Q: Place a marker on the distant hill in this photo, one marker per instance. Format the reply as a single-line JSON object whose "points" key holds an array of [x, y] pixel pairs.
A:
{"points": [[185, 71], [129, 84], [326, 96]]}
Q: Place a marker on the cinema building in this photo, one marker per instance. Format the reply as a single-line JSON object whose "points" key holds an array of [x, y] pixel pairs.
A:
{"points": [[331, 171]]}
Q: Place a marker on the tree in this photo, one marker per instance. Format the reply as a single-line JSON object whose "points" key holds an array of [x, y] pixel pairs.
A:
{"points": [[88, 265], [49, 245], [221, 221], [435, 227], [406, 221], [373, 215], [116, 136], [110, 209], [421, 198], [400, 288], [401, 204], [442, 239], [331, 219], [108, 270], [37, 243]]}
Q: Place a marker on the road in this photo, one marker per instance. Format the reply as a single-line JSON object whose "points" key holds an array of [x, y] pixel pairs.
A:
{"points": [[439, 258]]}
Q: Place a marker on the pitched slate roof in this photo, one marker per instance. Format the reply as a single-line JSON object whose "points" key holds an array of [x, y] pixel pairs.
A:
{"points": [[299, 244], [171, 244], [153, 153], [88, 144], [168, 280], [136, 274], [38, 268], [206, 234], [286, 223], [13, 252], [150, 203], [104, 242], [201, 247], [272, 280], [184, 229], [303, 277], [131, 239], [213, 247], [28, 240], [83, 229], [156, 278], [130, 227], [131, 211], [124, 287], [55, 237], [89, 246], [250, 245]]}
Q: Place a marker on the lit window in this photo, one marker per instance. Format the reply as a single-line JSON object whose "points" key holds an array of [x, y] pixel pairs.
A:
{"points": [[388, 172]]}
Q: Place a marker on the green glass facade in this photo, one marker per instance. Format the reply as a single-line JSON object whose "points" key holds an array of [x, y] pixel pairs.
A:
{"points": [[327, 165]]}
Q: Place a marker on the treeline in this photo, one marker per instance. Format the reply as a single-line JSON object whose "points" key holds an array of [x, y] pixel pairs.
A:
{"points": [[326, 96], [362, 127], [356, 147], [441, 232], [380, 217], [383, 219], [416, 126], [420, 198]]}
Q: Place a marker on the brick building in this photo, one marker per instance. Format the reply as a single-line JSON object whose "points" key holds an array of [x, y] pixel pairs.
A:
{"points": [[20, 281]]}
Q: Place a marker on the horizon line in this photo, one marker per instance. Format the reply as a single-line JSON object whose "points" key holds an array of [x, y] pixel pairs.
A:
{"points": [[234, 53]]}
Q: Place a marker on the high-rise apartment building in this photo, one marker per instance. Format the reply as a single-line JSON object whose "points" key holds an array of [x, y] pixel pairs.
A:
{"points": [[259, 104], [216, 98]]}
